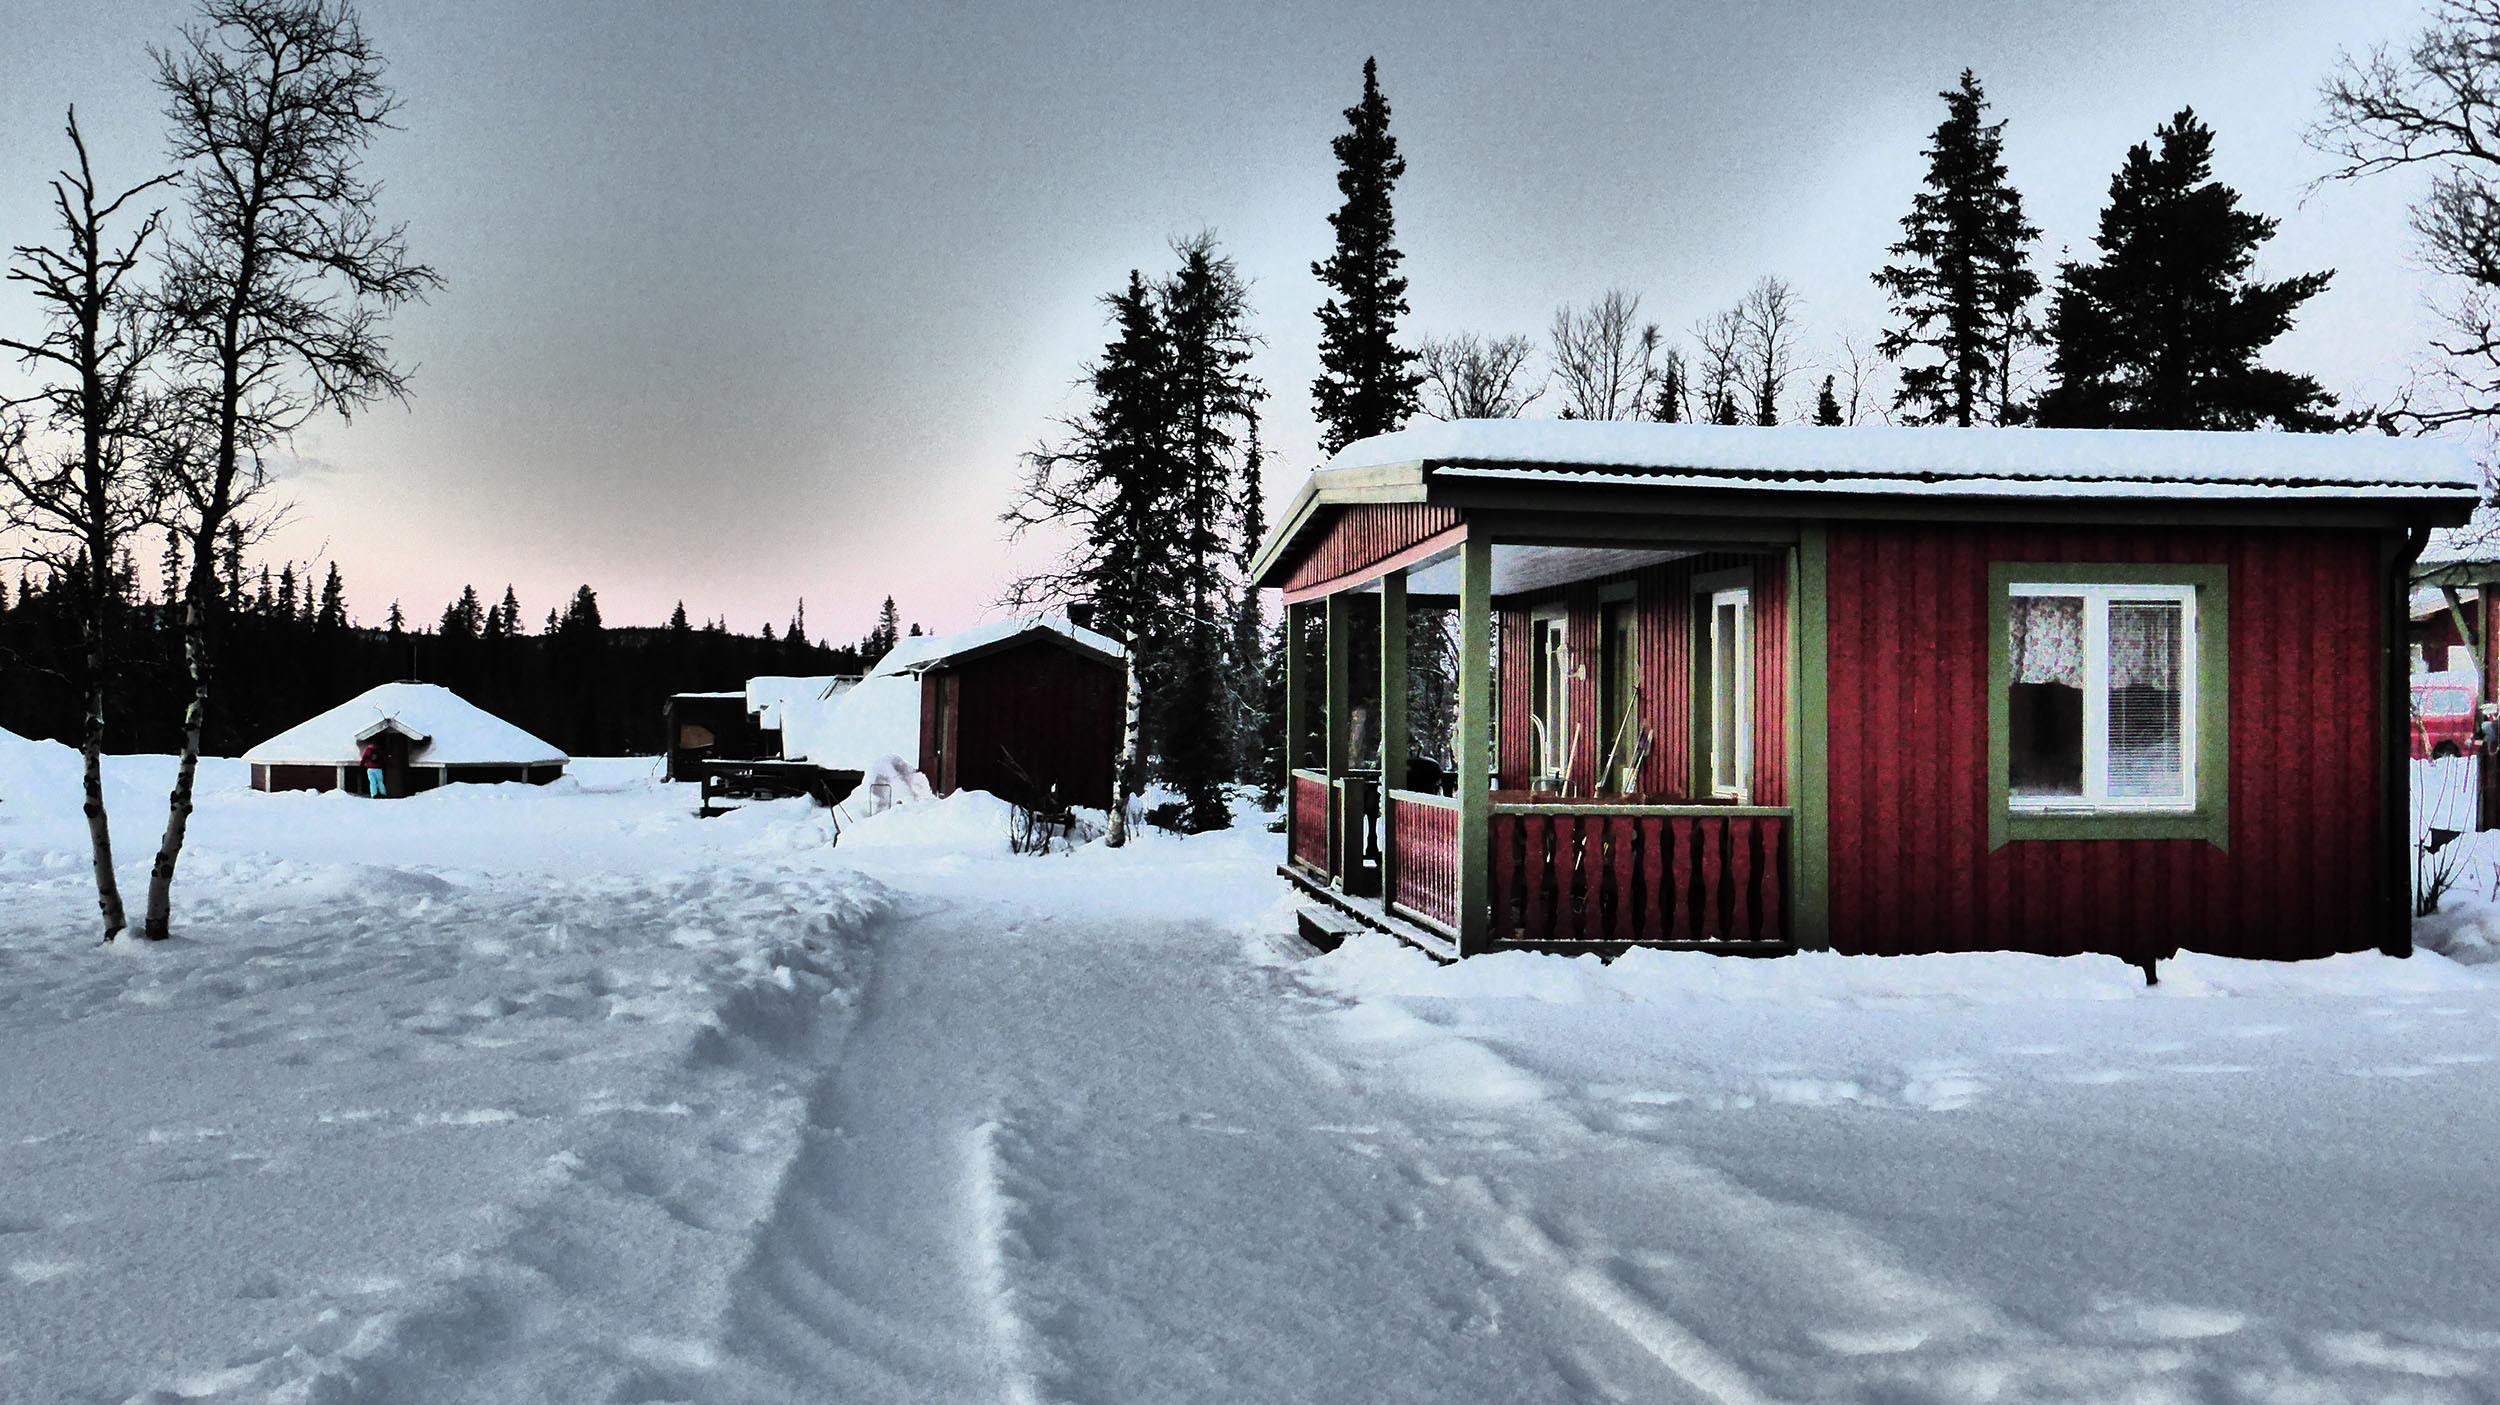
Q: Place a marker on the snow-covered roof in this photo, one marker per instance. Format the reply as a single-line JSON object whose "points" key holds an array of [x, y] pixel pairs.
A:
{"points": [[2427, 600], [1890, 459], [444, 728], [769, 697], [2462, 554], [858, 727], [921, 652]]}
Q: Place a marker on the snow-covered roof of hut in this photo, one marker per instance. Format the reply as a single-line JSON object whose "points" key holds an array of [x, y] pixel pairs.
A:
{"points": [[921, 652], [443, 728], [853, 726], [770, 697], [1897, 459]]}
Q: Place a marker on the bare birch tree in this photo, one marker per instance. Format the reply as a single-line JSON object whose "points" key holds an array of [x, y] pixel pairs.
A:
{"points": [[1605, 358], [74, 505], [1767, 331], [1722, 339], [275, 292], [2437, 105], [1471, 377]]}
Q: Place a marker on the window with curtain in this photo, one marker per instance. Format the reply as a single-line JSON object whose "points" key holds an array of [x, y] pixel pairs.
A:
{"points": [[2101, 702]]}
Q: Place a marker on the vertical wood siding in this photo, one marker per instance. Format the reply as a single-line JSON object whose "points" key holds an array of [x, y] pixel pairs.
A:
{"points": [[1910, 864], [1515, 740], [1039, 708], [1363, 534], [1426, 835], [1308, 820]]}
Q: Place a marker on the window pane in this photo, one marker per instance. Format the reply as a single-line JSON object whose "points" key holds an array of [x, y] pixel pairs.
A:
{"points": [[2044, 711], [1724, 663], [2147, 735]]}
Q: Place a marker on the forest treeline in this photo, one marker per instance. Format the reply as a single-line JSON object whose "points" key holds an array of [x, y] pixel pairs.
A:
{"points": [[591, 688]]}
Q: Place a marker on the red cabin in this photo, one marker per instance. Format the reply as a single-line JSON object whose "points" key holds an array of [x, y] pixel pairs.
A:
{"points": [[1879, 690]]}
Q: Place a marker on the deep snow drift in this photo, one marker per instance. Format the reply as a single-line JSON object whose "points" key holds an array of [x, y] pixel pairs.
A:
{"points": [[523, 1095]]}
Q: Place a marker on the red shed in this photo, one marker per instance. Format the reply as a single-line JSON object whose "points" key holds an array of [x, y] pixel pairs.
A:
{"points": [[1880, 690], [1022, 707]]}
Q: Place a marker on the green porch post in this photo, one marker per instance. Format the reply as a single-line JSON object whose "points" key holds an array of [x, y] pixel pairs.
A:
{"points": [[1475, 744], [1340, 741], [1392, 718], [1810, 740]]}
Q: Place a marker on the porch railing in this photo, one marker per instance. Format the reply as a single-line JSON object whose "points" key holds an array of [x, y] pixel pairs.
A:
{"points": [[1646, 873], [1423, 857], [1309, 807]]}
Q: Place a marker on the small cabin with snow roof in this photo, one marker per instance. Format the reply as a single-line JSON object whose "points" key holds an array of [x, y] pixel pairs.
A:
{"points": [[1026, 707], [429, 736], [1877, 690]]}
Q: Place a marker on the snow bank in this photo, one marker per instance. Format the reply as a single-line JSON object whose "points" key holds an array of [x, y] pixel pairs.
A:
{"points": [[1373, 965], [968, 822]]}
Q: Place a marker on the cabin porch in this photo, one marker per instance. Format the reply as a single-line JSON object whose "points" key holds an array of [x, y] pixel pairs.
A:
{"points": [[1531, 743]]}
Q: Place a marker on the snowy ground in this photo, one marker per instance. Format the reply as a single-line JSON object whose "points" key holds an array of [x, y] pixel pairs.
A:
{"points": [[533, 1095]]}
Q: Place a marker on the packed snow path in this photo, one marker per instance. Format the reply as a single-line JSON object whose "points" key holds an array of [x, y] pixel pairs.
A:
{"points": [[1064, 1158]]}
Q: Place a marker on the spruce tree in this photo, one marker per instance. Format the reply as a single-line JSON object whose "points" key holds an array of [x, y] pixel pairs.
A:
{"points": [[396, 624], [677, 623], [1213, 399], [1367, 381], [1827, 403], [2164, 330], [510, 609], [1961, 281], [332, 617]]}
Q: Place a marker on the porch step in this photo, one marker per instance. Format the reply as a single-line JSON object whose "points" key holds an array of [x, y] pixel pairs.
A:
{"points": [[1326, 928]]}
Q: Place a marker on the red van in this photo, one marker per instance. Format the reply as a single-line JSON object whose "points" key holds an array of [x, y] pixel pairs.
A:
{"points": [[2443, 718]]}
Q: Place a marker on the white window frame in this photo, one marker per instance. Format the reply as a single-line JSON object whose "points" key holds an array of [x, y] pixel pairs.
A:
{"points": [[2096, 799], [1733, 787], [1553, 748]]}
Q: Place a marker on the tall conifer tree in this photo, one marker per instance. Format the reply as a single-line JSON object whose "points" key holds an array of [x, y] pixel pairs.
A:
{"points": [[1961, 281], [1367, 381], [2164, 331]]}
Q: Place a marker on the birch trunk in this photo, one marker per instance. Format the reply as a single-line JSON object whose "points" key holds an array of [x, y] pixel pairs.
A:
{"points": [[178, 808], [108, 890], [1126, 768]]}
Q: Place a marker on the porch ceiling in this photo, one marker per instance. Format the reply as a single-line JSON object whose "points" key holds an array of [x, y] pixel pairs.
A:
{"points": [[1518, 570]]}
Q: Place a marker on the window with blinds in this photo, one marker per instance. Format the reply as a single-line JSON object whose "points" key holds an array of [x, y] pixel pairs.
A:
{"points": [[2101, 697]]}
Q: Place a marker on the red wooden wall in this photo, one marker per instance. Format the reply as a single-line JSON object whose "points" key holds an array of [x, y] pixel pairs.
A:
{"points": [[1910, 865], [1665, 621], [1364, 533], [1055, 712]]}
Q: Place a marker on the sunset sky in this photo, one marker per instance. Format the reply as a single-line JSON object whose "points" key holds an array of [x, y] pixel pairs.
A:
{"points": [[749, 302]]}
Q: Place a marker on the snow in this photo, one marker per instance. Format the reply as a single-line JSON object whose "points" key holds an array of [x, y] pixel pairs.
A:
{"points": [[773, 698], [1891, 459], [858, 728], [451, 731], [582, 1098]]}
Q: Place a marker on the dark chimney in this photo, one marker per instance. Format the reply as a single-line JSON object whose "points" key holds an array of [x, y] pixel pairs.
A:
{"points": [[1082, 615]]}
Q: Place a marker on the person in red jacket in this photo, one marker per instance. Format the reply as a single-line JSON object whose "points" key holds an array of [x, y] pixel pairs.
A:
{"points": [[371, 759]]}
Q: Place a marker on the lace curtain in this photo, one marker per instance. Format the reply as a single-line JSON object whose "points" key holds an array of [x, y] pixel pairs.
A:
{"points": [[2046, 636], [2047, 639]]}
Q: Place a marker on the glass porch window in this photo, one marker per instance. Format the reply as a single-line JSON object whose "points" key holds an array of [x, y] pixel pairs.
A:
{"points": [[1731, 693], [1548, 712], [2101, 706]]}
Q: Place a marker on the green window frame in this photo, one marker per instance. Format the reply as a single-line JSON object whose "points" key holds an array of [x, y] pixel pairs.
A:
{"points": [[2210, 818]]}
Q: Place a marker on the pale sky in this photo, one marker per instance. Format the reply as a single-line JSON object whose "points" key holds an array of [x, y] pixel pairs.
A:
{"points": [[749, 301]]}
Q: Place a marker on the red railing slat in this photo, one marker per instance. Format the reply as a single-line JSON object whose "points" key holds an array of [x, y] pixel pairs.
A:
{"points": [[1740, 885]]}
